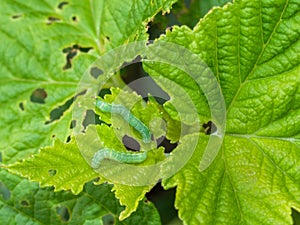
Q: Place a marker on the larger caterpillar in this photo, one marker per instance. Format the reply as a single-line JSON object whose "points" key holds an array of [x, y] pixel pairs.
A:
{"points": [[107, 153], [127, 115]]}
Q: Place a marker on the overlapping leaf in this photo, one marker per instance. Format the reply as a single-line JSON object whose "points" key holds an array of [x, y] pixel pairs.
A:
{"points": [[24, 203], [66, 165]]}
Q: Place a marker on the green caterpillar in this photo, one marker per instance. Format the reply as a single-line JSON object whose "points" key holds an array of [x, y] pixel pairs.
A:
{"points": [[107, 153], [127, 115]]}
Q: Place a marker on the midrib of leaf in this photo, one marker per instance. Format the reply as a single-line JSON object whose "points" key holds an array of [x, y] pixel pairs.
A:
{"points": [[97, 26], [258, 58], [227, 171]]}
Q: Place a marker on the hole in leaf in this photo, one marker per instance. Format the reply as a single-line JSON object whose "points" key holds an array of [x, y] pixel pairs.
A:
{"points": [[296, 217], [108, 219], [67, 50], [157, 195], [90, 118], [21, 106], [80, 48], [103, 92], [69, 58], [62, 4], [38, 96], [107, 38], [25, 203], [52, 173], [52, 19], [17, 16], [169, 28], [74, 18], [4, 191], [137, 59], [209, 127], [71, 52], [163, 141], [73, 124], [63, 213], [131, 74], [161, 24], [56, 113], [130, 143], [84, 49], [53, 135], [96, 179], [149, 42], [68, 139], [95, 72]]}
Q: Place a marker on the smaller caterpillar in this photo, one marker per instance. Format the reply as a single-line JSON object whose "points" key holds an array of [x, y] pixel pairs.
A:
{"points": [[107, 153], [127, 115]]}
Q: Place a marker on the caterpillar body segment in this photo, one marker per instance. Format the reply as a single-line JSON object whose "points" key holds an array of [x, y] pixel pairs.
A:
{"points": [[107, 153], [127, 116]]}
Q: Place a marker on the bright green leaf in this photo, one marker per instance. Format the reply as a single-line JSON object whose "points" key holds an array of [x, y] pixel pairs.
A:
{"points": [[61, 165], [37, 59], [253, 48], [46, 46], [64, 166], [130, 196]]}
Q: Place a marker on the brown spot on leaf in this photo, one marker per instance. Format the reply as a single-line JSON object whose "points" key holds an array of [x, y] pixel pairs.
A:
{"points": [[38, 96]]}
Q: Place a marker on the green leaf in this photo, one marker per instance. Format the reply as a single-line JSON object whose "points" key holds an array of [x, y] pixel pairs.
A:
{"points": [[147, 113], [151, 114], [46, 48], [253, 48], [42, 58], [26, 203], [61, 165], [130, 196], [66, 167], [170, 128]]}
